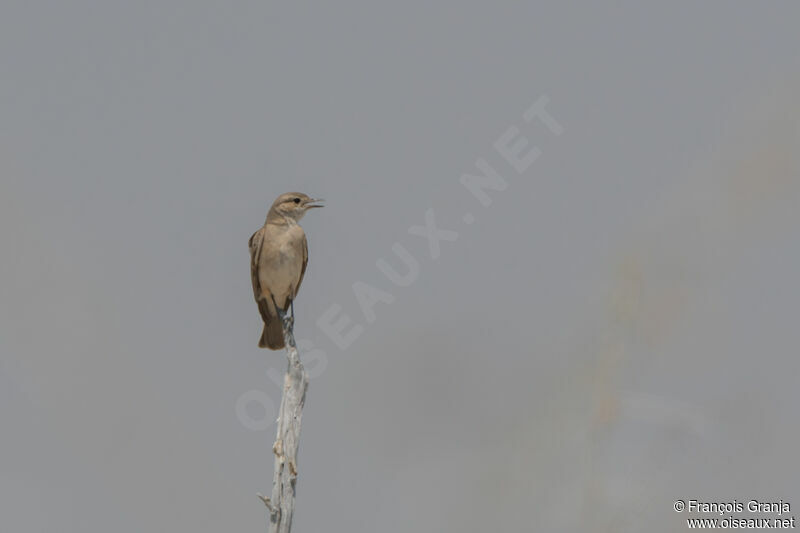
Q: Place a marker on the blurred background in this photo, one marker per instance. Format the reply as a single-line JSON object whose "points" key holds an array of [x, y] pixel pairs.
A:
{"points": [[616, 330]]}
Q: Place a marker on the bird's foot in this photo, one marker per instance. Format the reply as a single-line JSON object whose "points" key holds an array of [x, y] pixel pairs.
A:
{"points": [[288, 330]]}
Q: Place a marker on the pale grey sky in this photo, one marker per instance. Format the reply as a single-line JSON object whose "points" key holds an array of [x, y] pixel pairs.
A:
{"points": [[617, 330]]}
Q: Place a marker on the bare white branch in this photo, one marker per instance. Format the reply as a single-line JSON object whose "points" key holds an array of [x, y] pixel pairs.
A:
{"points": [[287, 441]]}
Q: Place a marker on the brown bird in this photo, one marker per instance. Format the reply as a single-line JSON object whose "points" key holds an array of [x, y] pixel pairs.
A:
{"points": [[278, 259]]}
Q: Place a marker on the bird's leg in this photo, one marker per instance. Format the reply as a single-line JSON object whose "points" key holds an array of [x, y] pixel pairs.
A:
{"points": [[287, 322], [281, 312]]}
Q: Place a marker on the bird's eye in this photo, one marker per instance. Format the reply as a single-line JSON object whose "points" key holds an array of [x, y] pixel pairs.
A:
{"points": [[297, 200]]}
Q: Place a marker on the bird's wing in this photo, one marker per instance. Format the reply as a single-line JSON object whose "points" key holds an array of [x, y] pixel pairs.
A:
{"points": [[305, 263], [255, 253], [255, 243]]}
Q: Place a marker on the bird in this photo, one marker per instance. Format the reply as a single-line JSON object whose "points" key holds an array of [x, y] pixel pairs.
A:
{"points": [[278, 259]]}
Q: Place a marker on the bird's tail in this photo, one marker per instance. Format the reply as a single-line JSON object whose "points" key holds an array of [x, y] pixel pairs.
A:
{"points": [[272, 336]]}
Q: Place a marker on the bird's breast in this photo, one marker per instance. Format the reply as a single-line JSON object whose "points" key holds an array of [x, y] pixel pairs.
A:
{"points": [[281, 260]]}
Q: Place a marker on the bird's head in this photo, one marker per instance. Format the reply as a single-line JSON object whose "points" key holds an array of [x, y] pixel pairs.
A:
{"points": [[293, 205]]}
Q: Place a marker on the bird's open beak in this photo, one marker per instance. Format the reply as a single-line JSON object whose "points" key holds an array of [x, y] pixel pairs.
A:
{"points": [[314, 203]]}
